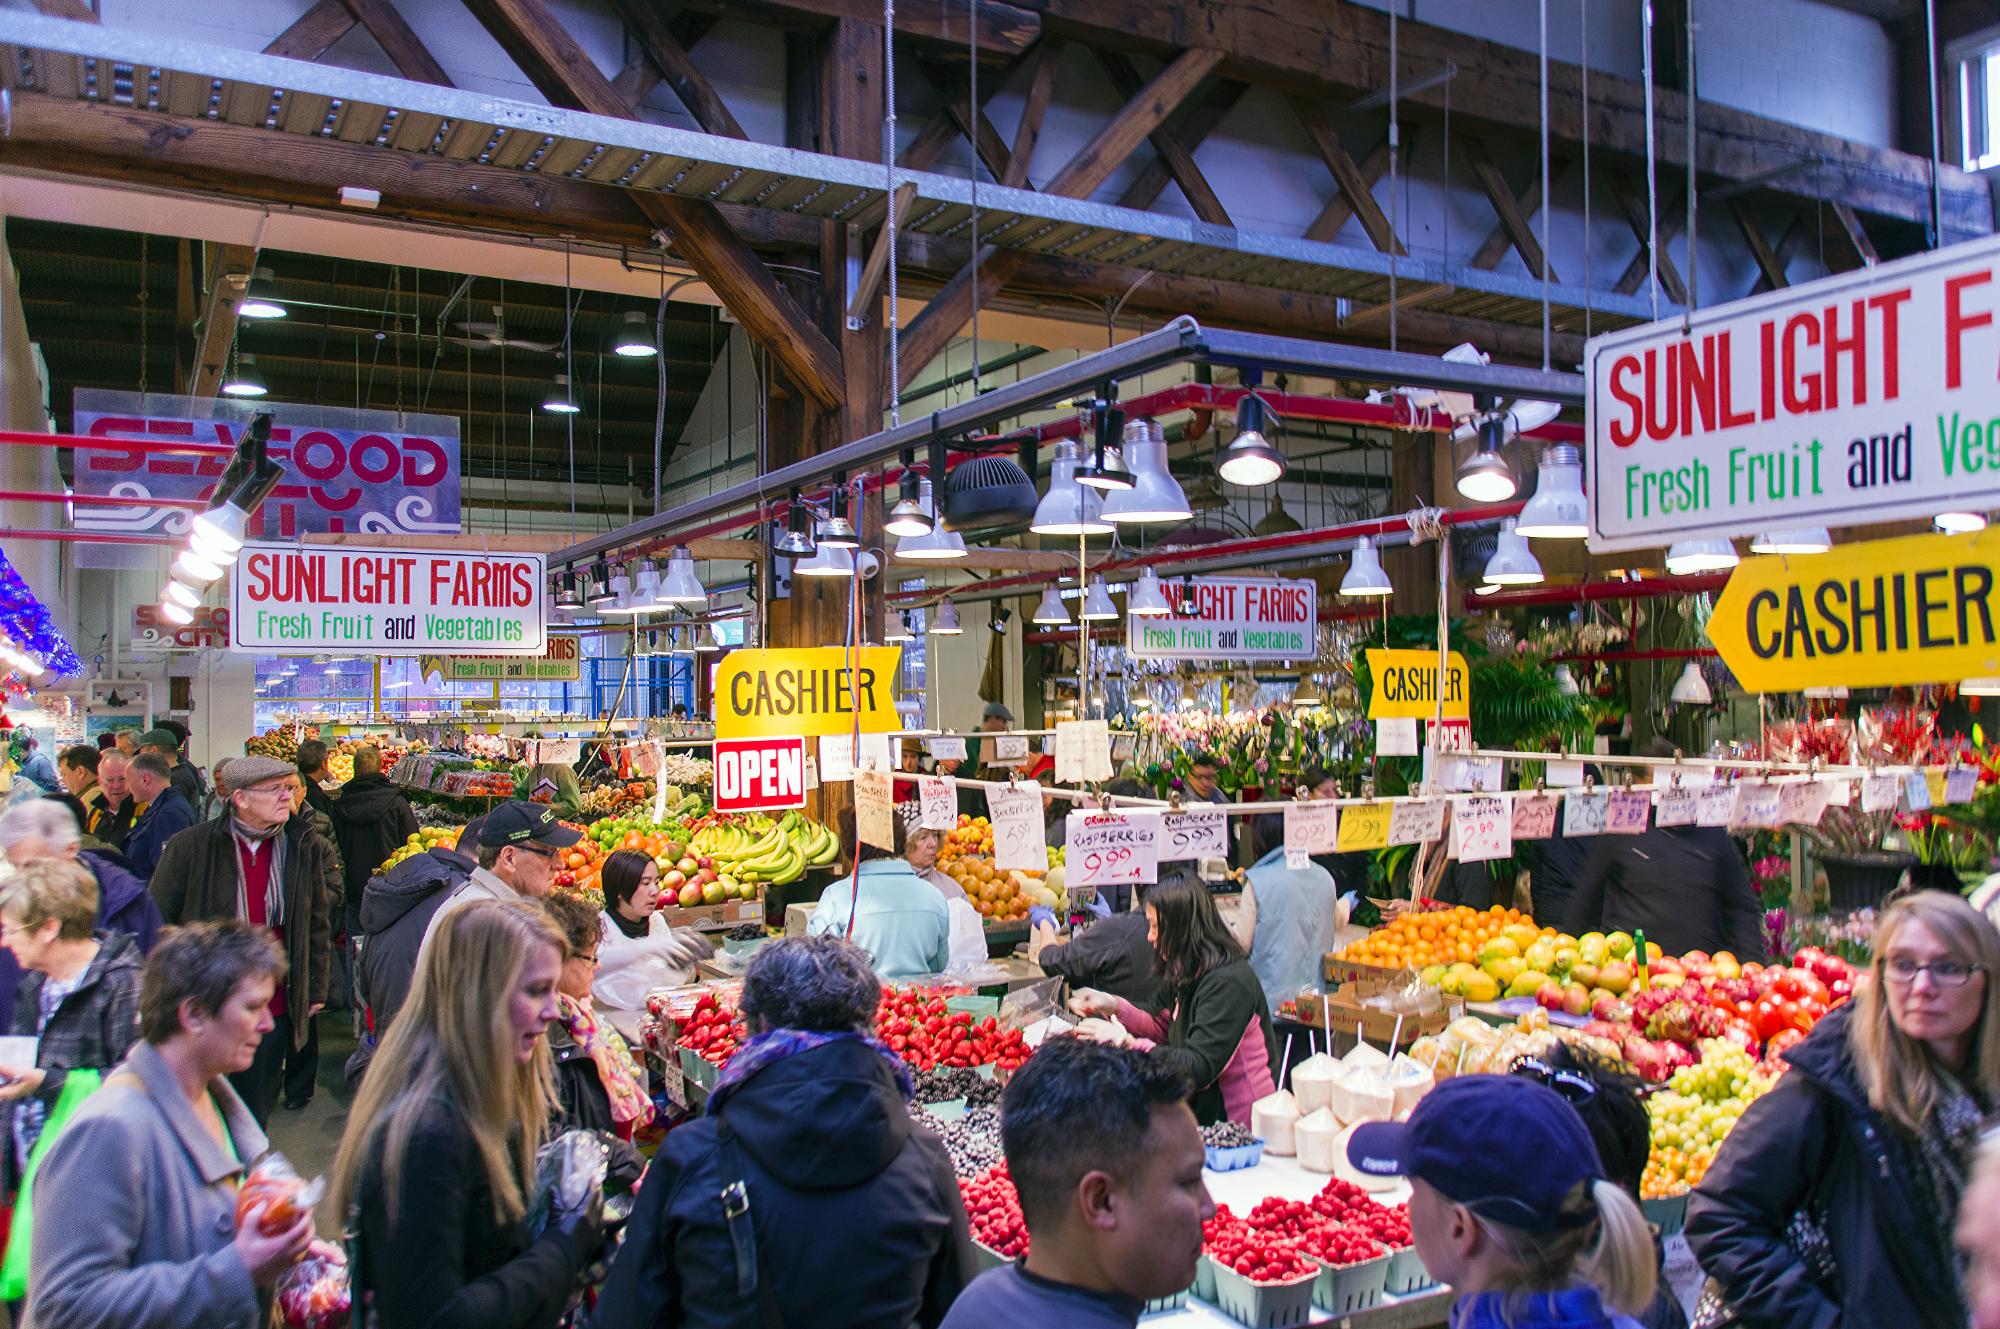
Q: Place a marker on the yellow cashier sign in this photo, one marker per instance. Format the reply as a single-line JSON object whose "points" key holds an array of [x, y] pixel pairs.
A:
{"points": [[806, 691], [1919, 609], [1406, 685]]}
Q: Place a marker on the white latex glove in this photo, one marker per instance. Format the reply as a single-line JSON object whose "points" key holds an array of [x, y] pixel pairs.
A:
{"points": [[685, 946], [1089, 1001], [1104, 1031]]}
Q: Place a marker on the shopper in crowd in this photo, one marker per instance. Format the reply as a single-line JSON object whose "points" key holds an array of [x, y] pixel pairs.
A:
{"points": [[116, 823], [36, 768], [438, 1158], [135, 1200], [77, 768], [300, 1076], [371, 820], [1113, 955], [520, 845], [886, 909], [1510, 1208], [79, 1001], [1611, 1102], [73, 805], [1288, 916], [1868, 1138], [1107, 1160], [994, 719], [167, 739], [1979, 1236], [599, 1086], [852, 1215], [261, 864], [126, 741], [641, 951], [106, 742], [1350, 870], [396, 910], [44, 829], [1202, 780], [163, 812], [1215, 1027], [311, 762], [921, 845]]}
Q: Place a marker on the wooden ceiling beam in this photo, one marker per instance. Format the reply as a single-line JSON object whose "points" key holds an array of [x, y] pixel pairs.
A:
{"points": [[1501, 196], [640, 76], [225, 280], [1192, 126], [314, 32], [1034, 108], [1006, 31], [399, 42], [77, 10], [1496, 244], [971, 121], [1760, 247], [1341, 206], [1668, 225], [564, 73], [1175, 155], [657, 40], [1354, 187]]}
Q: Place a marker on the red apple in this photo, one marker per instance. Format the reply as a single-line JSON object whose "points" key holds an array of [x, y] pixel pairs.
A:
{"points": [[705, 862], [1549, 996]]}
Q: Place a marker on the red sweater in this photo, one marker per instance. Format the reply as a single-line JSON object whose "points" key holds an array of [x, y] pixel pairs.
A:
{"points": [[255, 858]]}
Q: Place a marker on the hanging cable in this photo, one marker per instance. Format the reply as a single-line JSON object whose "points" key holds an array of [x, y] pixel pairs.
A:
{"points": [[1543, 56], [1395, 140], [1652, 158], [972, 173], [145, 267], [1694, 190], [1937, 147], [889, 196], [569, 384], [1583, 37]]}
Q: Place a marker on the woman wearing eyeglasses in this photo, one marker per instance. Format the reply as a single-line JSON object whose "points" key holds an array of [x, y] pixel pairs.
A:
{"points": [[1833, 1199]]}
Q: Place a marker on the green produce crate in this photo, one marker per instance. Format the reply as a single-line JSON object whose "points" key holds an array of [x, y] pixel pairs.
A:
{"points": [[1161, 1305], [1264, 1305], [739, 947], [986, 1072], [977, 1007], [1204, 1278], [1407, 1273], [699, 1069], [1344, 1289], [949, 1110], [1668, 1215]]}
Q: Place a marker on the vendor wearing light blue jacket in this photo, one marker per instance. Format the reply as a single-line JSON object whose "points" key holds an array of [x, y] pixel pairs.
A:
{"points": [[901, 920], [1288, 916]]}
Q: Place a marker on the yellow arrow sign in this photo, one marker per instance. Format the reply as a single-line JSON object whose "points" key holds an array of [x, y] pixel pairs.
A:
{"points": [[1406, 685], [1920, 609], [806, 690]]}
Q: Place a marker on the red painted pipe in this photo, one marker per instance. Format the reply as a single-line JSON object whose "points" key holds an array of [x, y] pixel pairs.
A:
{"points": [[100, 500], [95, 537], [1644, 588], [21, 438]]}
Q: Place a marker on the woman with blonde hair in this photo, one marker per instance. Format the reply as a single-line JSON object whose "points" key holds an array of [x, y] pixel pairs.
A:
{"points": [[1834, 1198], [435, 1169]]}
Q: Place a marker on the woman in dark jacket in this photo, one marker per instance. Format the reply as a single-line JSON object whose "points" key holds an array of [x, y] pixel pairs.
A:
{"points": [[1868, 1138], [435, 1168], [1216, 1027], [849, 1216]]}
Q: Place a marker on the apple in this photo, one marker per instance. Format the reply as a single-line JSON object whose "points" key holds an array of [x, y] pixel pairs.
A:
{"points": [[565, 878], [690, 896], [1550, 996], [705, 861]]}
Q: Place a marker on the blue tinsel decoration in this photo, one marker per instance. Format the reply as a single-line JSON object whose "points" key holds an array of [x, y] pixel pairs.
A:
{"points": [[26, 622]]}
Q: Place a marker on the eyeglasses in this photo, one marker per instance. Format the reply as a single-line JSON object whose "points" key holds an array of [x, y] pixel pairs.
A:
{"points": [[590, 959], [1576, 1088], [532, 848], [1901, 969]]}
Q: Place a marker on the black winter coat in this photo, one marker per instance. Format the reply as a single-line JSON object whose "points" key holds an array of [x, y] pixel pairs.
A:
{"points": [[857, 1216], [1687, 886], [1205, 1027], [371, 820], [396, 907], [1111, 955], [1814, 1142], [91, 1029]]}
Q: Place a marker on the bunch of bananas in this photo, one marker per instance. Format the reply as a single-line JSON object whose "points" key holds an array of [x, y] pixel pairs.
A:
{"points": [[759, 849]]}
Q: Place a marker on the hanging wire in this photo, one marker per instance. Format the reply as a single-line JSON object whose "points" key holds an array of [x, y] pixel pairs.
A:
{"points": [[1652, 158], [569, 387], [1937, 147], [889, 196], [145, 268], [972, 174], [1543, 55], [1583, 36], [1694, 191], [1395, 148]]}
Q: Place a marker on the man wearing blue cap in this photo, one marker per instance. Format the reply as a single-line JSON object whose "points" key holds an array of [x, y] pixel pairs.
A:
{"points": [[520, 845], [1510, 1207]]}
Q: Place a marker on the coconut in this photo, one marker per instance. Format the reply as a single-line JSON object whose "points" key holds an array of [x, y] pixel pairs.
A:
{"points": [[1318, 1141], [1409, 1080], [1312, 1081], [1272, 1120]]}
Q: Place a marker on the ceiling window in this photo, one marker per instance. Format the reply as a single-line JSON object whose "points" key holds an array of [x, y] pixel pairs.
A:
{"points": [[1979, 105]]}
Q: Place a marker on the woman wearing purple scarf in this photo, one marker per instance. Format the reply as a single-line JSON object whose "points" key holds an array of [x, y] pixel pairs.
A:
{"points": [[807, 1134]]}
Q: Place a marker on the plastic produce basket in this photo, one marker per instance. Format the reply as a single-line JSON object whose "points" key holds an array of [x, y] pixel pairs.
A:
{"points": [[988, 1257], [1264, 1305], [951, 1109], [1204, 1278], [734, 947], [1669, 1215], [1161, 1305], [1407, 1273], [985, 1072], [976, 1006], [1231, 1160], [698, 1068], [1346, 1288]]}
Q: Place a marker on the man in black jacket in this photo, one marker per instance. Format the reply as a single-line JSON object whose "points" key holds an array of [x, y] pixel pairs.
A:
{"points": [[396, 910], [371, 820], [851, 1216], [169, 739], [1687, 886], [1113, 955], [312, 769]]}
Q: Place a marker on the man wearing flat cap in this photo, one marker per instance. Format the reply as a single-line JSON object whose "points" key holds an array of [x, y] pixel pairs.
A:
{"points": [[258, 863]]}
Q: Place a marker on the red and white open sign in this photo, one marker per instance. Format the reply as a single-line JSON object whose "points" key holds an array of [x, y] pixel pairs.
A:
{"points": [[759, 774]]}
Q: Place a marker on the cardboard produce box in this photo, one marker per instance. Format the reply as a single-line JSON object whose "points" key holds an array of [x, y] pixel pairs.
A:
{"points": [[1343, 1009], [716, 917]]}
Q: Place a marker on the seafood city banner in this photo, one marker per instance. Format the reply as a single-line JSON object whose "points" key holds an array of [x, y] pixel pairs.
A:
{"points": [[1869, 396], [369, 472], [352, 600]]}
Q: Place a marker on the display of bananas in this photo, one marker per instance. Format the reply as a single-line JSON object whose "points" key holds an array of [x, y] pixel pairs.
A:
{"points": [[757, 848]]}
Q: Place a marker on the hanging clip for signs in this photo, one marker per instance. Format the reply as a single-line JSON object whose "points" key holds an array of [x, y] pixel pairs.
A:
{"points": [[1173, 800], [1300, 794], [1589, 780], [1628, 780], [1368, 790], [1104, 801], [1541, 786]]}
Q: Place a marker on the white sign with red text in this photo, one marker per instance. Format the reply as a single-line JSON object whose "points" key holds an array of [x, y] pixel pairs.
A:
{"points": [[359, 601], [1863, 397], [1231, 618], [759, 774]]}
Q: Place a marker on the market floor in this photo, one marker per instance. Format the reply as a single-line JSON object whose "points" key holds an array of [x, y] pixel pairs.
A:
{"points": [[311, 1136]]}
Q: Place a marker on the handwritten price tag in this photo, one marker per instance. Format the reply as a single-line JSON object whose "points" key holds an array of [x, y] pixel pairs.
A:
{"points": [[1112, 848], [1715, 805], [1801, 804], [1585, 814], [1009, 749], [1564, 774], [1310, 828], [1482, 828], [1959, 784], [1840, 793], [1198, 833], [1917, 792], [1625, 811], [874, 809], [1535, 816], [1083, 751], [1676, 807], [1879, 792], [1756, 806], [1396, 736], [950, 747], [1363, 826], [1417, 822], [837, 760], [1477, 773], [1020, 840], [937, 803]]}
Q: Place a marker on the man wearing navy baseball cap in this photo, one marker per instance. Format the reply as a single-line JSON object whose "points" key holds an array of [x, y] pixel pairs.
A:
{"points": [[520, 850], [1510, 1207]]}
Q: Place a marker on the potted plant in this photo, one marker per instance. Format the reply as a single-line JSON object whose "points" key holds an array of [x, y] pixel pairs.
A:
{"points": [[1850, 844]]}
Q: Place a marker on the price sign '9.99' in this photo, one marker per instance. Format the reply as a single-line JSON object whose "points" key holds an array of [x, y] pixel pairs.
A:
{"points": [[1112, 848]]}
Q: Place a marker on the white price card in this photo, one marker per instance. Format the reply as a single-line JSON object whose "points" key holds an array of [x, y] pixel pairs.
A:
{"points": [[1396, 736], [1480, 774], [1584, 813], [1564, 774], [1482, 828], [1916, 792], [1625, 811], [937, 802], [1801, 804], [1535, 816], [1959, 784], [1112, 848], [874, 809], [1417, 822], [1310, 828], [1675, 806], [1009, 749], [947, 747], [1083, 751], [1879, 792], [1020, 840], [1839, 793], [1715, 805], [838, 762], [1123, 744], [1756, 806], [1195, 833]]}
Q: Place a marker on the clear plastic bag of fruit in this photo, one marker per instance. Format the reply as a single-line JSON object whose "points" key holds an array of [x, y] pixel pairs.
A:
{"points": [[276, 1185], [315, 1294]]}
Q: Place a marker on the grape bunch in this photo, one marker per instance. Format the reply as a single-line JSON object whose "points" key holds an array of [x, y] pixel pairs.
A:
{"points": [[1695, 1112]]}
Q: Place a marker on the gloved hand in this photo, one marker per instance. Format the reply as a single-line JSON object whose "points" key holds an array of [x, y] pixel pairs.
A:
{"points": [[1350, 900], [1040, 914], [1099, 905], [685, 946], [1089, 1001], [583, 1223]]}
